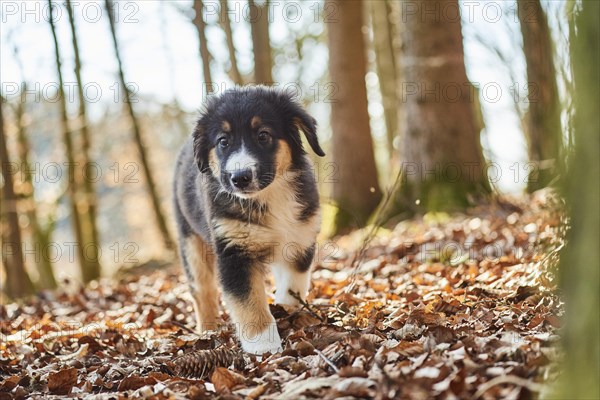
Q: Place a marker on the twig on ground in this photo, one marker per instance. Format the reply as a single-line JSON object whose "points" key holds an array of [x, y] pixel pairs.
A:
{"points": [[305, 305], [328, 361], [377, 223], [182, 326]]}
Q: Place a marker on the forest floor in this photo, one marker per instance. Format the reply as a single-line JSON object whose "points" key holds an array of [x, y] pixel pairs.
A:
{"points": [[442, 306]]}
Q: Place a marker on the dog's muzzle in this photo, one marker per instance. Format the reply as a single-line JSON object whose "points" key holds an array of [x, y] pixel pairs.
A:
{"points": [[241, 179]]}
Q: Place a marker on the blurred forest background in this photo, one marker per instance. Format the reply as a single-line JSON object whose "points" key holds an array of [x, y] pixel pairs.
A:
{"points": [[462, 99], [422, 106]]}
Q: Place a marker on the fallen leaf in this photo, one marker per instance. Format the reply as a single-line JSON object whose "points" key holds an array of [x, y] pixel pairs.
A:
{"points": [[224, 379], [62, 382]]}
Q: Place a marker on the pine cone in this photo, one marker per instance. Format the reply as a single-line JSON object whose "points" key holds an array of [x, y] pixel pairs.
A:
{"points": [[199, 364]]}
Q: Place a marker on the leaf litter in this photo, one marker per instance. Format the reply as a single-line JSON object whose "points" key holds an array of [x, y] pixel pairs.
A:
{"points": [[442, 306]]}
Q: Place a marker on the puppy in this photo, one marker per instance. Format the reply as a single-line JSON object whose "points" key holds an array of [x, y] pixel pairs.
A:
{"points": [[246, 202]]}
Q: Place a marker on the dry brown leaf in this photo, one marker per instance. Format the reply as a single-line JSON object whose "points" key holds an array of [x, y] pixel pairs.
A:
{"points": [[256, 392], [224, 380], [134, 382], [408, 349], [348, 371], [420, 316], [62, 382]]}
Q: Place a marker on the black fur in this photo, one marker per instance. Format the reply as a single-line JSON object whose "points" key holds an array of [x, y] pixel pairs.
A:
{"points": [[304, 259], [235, 278]]}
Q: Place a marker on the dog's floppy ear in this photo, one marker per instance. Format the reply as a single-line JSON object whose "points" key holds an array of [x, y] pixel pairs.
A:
{"points": [[201, 137], [201, 147], [308, 125]]}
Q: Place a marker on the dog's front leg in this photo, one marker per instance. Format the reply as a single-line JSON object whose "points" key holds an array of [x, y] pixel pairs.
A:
{"points": [[199, 265], [289, 279], [293, 275], [243, 283]]}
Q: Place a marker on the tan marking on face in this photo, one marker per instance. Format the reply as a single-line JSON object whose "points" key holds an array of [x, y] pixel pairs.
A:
{"points": [[251, 315], [226, 126], [283, 158], [201, 260], [255, 122]]}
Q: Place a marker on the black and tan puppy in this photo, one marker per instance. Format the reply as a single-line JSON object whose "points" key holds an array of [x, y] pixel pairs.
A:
{"points": [[246, 203]]}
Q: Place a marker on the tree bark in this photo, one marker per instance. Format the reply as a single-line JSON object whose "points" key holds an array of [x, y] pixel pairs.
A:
{"points": [[89, 204], [235, 74], [355, 189], [442, 160], [74, 179], [138, 138], [200, 25], [543, 128], [17, 280], [385, 60], [40, 235], [579, 272], [261, 42]]}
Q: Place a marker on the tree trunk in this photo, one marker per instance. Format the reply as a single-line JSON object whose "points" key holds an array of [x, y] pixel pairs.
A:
{"points": [[200, 25], [74, 179], [261, 43], [355, 189], [442, 160], [579, 272], [543, 128], [39, 234], [17, 281], [385, 60], [88, 206], [235, 74], [139, 141]]}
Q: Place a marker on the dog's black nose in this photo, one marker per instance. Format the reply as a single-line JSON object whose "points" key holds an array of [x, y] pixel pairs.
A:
{"points": [[241, 178]]}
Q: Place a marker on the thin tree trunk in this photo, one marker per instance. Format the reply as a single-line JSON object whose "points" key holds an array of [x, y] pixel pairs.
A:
{"points": [[139, 141], [39, 234], [235, 74], [355, 189], [543, 127], [385, 61], [442, 160], [87, 271], [200, 25], [579, 272], [89, 205], [261, 42], [17, 281]]}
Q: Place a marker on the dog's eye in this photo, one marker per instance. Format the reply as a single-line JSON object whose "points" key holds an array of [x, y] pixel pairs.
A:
{"points": [[263, 137], [223, 142]]}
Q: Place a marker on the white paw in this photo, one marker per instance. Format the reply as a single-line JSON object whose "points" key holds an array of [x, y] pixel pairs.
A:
{"points": [[266, 341], [286, 300]]}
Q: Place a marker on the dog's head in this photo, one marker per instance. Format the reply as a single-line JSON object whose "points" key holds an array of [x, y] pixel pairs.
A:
{"points": [[248, 136]]}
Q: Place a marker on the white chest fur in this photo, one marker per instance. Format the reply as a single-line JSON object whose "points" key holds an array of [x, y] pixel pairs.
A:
{"points": [[280, 230], [283, 216]]}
